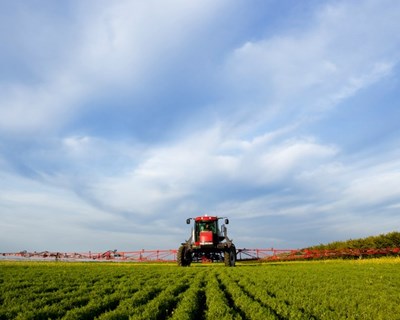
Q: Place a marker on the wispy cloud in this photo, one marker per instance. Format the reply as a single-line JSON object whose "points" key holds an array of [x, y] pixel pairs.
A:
{"points": [[109, 48], [346, 48]]}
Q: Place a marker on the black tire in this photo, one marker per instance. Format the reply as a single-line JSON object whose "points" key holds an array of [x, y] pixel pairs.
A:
{"points": [[230, 256], [183, 257], [180, 256], [188, 257]]}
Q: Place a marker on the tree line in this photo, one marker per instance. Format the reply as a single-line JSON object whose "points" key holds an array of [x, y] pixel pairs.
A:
{"points": [[388, 240]]}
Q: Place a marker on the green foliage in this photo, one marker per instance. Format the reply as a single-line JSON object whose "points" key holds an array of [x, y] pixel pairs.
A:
{"points": [[383, 241], [363, 289], [192, 300]]}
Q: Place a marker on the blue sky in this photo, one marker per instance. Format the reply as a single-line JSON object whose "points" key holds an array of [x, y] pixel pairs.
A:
{"points": [[120, 119]]}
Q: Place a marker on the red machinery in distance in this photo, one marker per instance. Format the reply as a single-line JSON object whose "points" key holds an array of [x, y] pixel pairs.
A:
{"points": [[110, 255], [207, 243], [261, 255]]}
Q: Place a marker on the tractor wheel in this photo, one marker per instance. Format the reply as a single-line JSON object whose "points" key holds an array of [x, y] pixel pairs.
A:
{"points": [[180, 257], [183, 257], [188, 257], [230, 256]]}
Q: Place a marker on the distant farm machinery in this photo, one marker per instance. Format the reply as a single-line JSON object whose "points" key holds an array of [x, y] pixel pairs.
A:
{"points": [[171, 255], [207, 243]]}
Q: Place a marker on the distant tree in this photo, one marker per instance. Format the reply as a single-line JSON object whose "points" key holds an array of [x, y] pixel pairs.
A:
{"points": [[389, 240], [395, 239]]}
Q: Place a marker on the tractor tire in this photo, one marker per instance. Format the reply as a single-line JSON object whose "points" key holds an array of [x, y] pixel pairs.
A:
{"points": [[188, 257], [230, 256], [183, 257], [180, 256]]}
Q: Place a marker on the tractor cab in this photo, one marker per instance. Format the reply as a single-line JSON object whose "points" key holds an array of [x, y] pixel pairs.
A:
{"points": [[206, 230]]}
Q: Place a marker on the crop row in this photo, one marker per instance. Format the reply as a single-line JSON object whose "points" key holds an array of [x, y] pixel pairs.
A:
{"points": [[313, 290]]}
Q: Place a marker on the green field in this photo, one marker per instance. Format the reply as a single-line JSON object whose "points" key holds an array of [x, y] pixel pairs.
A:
{"points": [[362, 289]]}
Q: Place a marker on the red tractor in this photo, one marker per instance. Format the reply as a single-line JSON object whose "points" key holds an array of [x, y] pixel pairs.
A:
{"points": [[207, 243]]}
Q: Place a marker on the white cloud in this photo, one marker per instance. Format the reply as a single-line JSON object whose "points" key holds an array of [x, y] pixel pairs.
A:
{"points": [[33, 108], [137, 36], [93, 151], [375, 188], [345, 48], [115, 45], [295, 156], [34, 214], [173, 174]]}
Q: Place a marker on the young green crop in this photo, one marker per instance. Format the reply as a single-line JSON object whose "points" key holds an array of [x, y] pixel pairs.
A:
{"points": [[362, 289]]}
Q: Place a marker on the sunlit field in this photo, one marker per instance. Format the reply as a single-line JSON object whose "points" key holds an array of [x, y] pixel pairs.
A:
{"points": [[334, 289]]}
